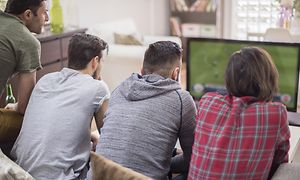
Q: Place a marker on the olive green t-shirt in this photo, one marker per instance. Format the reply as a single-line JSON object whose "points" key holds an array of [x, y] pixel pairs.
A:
{"points": [[20, 50]]}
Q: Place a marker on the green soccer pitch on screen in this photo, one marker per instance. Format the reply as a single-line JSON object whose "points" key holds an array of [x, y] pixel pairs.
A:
{"points": [[207, 60]]}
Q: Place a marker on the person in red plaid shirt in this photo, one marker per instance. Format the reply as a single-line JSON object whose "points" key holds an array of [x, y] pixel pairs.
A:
{"points": [[242, 135]]}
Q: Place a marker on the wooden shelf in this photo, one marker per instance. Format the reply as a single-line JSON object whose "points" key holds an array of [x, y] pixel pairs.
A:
{"points": [[196, 17]]}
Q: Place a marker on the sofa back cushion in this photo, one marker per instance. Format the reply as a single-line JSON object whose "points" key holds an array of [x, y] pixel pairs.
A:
{"points": [[106, 30], [106, 169]]}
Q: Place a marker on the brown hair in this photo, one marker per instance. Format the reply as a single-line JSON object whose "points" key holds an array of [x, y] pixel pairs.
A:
{"points": [[82, 48], [161, 57], [251, 72]]}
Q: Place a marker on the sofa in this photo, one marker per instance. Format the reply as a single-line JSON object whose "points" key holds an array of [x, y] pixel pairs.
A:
{"points": [[123, 59], [287, 171], [106, 169]]}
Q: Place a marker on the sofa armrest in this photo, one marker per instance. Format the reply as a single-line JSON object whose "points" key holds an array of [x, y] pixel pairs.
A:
{"points": [[287, 171], [152, 39]]}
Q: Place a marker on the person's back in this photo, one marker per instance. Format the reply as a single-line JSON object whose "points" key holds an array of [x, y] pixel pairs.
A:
{"points": [[242, 135], [55, 139], [146, 115]]}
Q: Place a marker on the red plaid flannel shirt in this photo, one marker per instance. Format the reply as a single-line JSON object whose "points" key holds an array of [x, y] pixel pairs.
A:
{"points": [[238, 138]]}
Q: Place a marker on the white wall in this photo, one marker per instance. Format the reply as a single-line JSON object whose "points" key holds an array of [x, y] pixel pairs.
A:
{"points": [[151, 16], [227, 18]]}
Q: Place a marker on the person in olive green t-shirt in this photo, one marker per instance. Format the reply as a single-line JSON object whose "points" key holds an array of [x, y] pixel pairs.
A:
{"points": [[19, 55], [20, 50]]}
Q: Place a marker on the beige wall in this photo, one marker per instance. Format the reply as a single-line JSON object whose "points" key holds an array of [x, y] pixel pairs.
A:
{"points": [[151, 16]]}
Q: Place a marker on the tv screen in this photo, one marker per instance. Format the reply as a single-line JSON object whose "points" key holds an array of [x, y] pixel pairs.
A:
{"points": [[207, 60]]}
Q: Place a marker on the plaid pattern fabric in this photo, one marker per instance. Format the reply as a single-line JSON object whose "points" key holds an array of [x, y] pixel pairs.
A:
{"points": [[238, 138]]}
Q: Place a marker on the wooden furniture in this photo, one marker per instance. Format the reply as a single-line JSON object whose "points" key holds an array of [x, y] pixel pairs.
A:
{"points": [[54, 52], [195, 18]]}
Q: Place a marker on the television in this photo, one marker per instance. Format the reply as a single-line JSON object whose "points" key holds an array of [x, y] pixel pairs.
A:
{"points": [[207, 60]]}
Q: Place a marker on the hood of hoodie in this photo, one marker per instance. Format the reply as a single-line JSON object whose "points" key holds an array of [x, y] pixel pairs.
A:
{"points": [[138, 87]]}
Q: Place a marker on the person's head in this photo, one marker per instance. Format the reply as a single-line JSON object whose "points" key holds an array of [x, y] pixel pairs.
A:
{"points": [[32, 12], [251, 72], [163, 58], [85, 53]]}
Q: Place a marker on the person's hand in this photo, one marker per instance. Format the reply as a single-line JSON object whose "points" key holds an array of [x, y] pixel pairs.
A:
{"points": [[179, 151], [12, 106], [94, 139]]}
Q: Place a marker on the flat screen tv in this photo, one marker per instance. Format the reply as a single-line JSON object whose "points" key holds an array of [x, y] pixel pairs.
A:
{"points": [[207, 60]]}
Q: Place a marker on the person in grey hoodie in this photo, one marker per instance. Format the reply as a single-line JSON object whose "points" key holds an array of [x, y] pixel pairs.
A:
{"points": [[147, 114]]}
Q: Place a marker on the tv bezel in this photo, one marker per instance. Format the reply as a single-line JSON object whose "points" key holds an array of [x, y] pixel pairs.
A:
{"points": [[250, 43]]}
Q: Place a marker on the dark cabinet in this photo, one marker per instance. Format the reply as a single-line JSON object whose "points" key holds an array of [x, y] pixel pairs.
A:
{"points": [[54, 55]]}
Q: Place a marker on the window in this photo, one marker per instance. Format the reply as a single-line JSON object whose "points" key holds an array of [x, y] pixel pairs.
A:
{"points": [[251, 18]]}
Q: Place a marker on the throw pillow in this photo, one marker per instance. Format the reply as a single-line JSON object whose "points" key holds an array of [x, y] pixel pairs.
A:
{"points": [[130, 39], [10, 170]]}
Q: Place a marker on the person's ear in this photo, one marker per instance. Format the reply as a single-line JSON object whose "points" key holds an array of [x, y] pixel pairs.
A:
{"points": [[142, 71], [28, 14], [175, 74], [95, 62]]}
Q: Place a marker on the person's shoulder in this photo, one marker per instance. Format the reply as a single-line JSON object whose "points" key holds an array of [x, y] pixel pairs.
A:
{"points": [[184, 94], [213, 95], [22, 37], [49, 76], [274, 106], [100, 87], [30, 39], [17, 28], [101, 84], [275, 111], [214, 99]]}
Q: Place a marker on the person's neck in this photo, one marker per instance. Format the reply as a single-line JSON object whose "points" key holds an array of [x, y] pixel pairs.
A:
{"points": [[19, 16], [86, 71]]}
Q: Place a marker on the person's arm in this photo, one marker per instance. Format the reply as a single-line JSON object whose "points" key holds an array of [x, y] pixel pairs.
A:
{"points": [[283, 144], [26, 83], [180, 163], [95, 139], [99, 115]]}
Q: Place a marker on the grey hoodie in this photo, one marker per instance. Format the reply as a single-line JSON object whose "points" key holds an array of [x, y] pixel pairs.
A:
{"points": [[145, 117]]}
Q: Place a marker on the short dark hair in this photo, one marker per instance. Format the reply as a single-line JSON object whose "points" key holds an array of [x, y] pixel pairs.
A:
{"points": [[20, 6], [251, 72], [82, 48], [161, 57]]}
